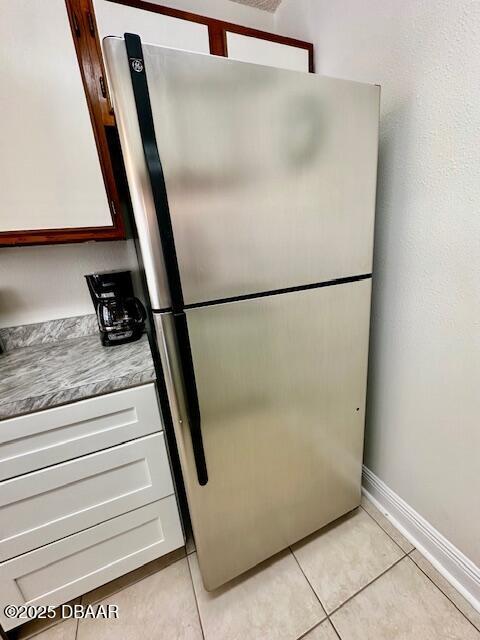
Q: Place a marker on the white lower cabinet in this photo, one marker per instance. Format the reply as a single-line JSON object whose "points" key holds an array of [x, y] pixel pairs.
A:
{"points": [[89, 497], [52, 503], [47, 437], [70, 567]]}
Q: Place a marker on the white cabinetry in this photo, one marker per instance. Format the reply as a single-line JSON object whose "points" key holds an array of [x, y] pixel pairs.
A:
{"points": [[271, 54], [47, 437], [89, 497], [51, 175], [60, 571], [55, 502], [153, 28]]}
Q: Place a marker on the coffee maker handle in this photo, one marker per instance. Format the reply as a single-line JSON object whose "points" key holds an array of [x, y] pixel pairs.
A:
{"points": [[140, 308]]}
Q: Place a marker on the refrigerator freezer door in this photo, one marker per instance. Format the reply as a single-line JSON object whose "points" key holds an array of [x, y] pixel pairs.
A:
{"points": [[270, 173], [281, 382]]}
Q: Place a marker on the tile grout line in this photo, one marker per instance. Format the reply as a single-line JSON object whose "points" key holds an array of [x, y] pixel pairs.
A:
{"points": [[55, 621], [367, 585], [404, 555], [386, 532], [335, 629], [308, 631], [314, 593], [195, 597], [443, 592], [309, 583], [327, 619], [130, 584], [351, 597], [78, 621]]}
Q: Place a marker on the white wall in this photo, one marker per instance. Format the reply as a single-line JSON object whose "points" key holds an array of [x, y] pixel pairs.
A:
{"points": [[423, 427], [45, 283]]}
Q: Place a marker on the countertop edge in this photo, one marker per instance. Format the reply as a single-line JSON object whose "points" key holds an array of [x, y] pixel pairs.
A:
{"points": [[18, 408]]}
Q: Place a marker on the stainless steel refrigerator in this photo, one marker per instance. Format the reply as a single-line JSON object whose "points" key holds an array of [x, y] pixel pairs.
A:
{"points": [[253, 190]]}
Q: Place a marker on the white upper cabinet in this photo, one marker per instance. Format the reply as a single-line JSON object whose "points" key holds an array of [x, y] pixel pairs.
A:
{"points": [[58, 153], [153, 28], [271, 54], [49, 166]]}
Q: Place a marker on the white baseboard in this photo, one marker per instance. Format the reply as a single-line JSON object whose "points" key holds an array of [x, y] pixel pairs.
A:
{"points": [[461, 572]]}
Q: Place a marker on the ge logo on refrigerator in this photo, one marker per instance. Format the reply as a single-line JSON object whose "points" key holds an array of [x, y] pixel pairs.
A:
{"points": [[137, 65]]}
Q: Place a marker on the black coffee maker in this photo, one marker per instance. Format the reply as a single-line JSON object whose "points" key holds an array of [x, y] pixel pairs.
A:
{"points": [[121, 316]]}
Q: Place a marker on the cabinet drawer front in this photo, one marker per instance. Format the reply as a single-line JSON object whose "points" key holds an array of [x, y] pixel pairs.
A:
{"points": [[47, 437], [68, 568], [49, 504]]}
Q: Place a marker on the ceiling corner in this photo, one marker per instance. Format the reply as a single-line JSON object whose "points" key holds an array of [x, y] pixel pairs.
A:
{"points": [[265, 5]]}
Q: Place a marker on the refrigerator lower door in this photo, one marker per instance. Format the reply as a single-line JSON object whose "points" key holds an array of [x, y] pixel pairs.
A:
{"points": [[281, 383]]}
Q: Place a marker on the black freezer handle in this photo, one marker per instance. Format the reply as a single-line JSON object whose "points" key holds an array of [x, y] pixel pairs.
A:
{"points": [[143, 106]]}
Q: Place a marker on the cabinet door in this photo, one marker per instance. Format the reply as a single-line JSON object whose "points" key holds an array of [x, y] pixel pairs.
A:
{"points": [[67, 568], [155, 28], [272, 54], [55, 502], [37, 440], [51, 175]]}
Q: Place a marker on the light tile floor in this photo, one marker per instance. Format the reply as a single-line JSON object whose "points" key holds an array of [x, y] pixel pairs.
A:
{"points": [[358, 579]]}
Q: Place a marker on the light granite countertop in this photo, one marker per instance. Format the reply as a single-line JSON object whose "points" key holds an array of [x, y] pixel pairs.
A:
{"points": [[46, 373]]}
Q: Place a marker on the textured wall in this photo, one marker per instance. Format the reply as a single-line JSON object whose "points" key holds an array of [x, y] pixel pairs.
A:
{"points": [[423, 428]]}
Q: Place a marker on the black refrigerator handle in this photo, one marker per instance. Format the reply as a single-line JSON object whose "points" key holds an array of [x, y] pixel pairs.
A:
{"points": [[190, 386], [138, 76]]}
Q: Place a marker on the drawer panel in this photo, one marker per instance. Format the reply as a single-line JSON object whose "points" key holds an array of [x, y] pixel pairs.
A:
{"points": [[47, 437], [70, 567], [47, 505]]}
